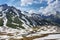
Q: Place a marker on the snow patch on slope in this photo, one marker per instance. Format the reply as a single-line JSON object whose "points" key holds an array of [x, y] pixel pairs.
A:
{"points": [[1, 9]]}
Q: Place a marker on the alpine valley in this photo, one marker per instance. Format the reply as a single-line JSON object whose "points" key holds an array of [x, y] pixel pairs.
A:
{"points": [[15, 24]]}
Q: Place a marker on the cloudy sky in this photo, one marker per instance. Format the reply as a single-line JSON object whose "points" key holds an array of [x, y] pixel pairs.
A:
{"points": [[34, 5]]}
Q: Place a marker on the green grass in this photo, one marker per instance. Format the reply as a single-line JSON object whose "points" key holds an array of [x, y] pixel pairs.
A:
{"points": [[9, 24], [1, 22], [16, 20]]}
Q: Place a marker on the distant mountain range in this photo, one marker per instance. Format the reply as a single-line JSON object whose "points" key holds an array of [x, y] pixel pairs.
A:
{"points": [[14, 18]]}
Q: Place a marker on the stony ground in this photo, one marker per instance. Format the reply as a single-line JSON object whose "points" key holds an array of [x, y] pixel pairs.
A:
{"points": [[29, 34]]}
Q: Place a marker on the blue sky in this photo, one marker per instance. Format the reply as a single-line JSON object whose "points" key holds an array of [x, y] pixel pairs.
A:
{"points": [[26, 5]]}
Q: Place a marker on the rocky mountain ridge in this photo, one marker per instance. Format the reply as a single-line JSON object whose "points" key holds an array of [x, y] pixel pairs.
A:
{"points": [[12, 17]]}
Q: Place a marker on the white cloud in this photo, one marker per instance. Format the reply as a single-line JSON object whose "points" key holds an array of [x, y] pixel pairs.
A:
{"points": [[41, 1], [29, 2], [10, 2], [26, 2], [51, 8], [48, 1], [31, 11], [36, 2], [41, 9]]}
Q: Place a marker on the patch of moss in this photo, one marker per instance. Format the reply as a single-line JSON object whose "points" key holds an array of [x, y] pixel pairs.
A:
{"points": [[9, 24], [16, 20], [1, 22]]}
